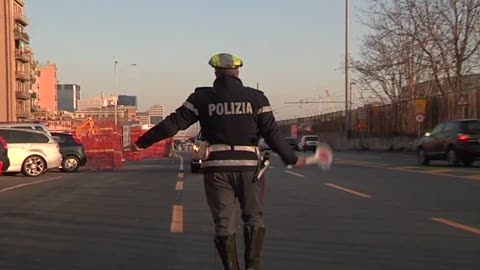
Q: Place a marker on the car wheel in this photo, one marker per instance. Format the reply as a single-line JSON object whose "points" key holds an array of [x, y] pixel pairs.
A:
{"points": [[452, 157], [422, 157], [33, 166], [70, 164]]}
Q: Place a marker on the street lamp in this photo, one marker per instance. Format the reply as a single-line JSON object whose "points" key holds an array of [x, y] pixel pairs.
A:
{"points": [[347, 63], [115, 89]]}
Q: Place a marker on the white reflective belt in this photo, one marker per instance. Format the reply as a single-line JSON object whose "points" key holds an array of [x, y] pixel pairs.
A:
{"points": [[190, 106], [228, 163], [265, 109], [224, 147]]}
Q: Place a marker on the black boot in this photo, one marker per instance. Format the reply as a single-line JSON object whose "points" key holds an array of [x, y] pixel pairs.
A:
{"points": [[253, 246], [227, 249]]}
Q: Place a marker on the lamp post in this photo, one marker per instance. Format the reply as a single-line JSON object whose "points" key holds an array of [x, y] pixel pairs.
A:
{"points": [[115, 91], [115, 104], [347, 63]]}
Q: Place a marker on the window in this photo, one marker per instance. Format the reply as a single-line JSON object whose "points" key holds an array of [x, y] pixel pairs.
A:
{"points": [[438, 128], [472, 127], [451, 126]]}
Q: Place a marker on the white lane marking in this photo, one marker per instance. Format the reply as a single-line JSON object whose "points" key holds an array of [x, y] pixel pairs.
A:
{"points": [[179, 185], [181, 162], [29, 184], [293, 173], [363, 195], [180, 175], [457, 225]]}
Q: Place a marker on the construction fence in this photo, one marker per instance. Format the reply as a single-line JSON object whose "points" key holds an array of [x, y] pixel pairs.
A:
{"points": [[107, 145], [408, 119]]}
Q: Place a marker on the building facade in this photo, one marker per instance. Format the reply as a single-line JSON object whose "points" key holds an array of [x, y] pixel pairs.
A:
{"points": [[17, 66], [130, 101], [144, 118], [47, 87], [95, 103], [67, 97], [156, 114]]}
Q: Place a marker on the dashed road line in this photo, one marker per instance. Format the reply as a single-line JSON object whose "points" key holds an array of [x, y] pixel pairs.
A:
{"points": [[440, 172], [176, 226], [457, 225], [294, 173], [363, 195]]}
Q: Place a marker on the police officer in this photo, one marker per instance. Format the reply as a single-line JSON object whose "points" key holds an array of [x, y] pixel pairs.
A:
{"points": [[232, 118]]}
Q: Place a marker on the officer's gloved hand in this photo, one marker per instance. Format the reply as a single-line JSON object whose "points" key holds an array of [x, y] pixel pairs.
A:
{"points": [[301, 162], [134, 148]]}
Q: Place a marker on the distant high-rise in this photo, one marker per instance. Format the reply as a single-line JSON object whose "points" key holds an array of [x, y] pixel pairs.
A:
{"points": [[47, 87], [67, 97], [156, 114], [125, 100]]}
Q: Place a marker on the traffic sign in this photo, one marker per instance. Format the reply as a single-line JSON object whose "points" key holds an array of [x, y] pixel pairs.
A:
{"points": [[362, 124], [361, 113], [420, 106], [462, 101], [420, 118]]}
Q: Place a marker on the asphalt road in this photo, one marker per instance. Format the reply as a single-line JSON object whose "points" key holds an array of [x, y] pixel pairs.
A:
{"points": [[370, 211]]}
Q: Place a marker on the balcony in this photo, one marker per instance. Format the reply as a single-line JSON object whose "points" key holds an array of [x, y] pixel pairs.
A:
{"points": [[24, 114], [22, 76], [36, 109], [20, 2], [34, 95], [22, 56], [21, 19], [19, 35], [22, 95]]}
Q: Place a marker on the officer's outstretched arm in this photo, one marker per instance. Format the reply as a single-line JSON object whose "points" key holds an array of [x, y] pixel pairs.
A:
{"points": [[272, 134], [181, 119]]}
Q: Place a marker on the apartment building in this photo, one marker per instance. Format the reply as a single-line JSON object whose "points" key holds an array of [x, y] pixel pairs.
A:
{"points": [[17, 65]]}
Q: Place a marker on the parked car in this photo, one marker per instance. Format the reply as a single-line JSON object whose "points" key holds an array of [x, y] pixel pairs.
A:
{"points": [[457, 141], [31, 152], [72, 150], [4, 160], [196, 163], [293, 143], [34, 126], [308, 142]]}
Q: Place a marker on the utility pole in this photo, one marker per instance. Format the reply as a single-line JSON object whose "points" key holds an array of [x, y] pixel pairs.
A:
{"points": [[347, 63], [115, 91]]}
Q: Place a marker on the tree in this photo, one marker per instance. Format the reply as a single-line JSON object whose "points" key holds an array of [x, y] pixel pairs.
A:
{"points": [[419, 47]]}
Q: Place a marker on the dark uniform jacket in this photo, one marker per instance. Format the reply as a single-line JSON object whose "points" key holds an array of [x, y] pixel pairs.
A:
{"points": [[229, 114]]}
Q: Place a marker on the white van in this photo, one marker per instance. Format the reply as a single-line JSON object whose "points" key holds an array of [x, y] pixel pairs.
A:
{"points": [[308, 142], [31, 152]]}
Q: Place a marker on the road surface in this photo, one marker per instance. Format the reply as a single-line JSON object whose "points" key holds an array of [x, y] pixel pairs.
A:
{"points": [[371, 211]]}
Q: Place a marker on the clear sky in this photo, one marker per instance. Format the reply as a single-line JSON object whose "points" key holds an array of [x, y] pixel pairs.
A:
{"points": [[293, 49]]}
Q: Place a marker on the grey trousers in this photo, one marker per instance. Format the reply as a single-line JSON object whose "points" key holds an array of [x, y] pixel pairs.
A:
{"points": [[222, 189]]}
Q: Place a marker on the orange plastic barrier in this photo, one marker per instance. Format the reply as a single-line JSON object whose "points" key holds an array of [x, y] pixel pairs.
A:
{"points": [[105, 143]]}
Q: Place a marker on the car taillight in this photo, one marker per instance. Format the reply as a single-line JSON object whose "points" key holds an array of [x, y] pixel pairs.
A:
{"points": [[463, 137], [195, 148], [4, 143]]}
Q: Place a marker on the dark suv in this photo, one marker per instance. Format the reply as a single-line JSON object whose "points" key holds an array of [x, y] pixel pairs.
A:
{"points": [[4, 160], [457, 141], [72, 150]]}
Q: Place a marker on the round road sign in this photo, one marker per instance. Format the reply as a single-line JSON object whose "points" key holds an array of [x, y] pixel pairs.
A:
{"points": [[420, 118]]}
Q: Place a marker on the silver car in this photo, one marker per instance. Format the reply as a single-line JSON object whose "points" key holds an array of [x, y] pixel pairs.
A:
{"points": [[31, 152]]}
